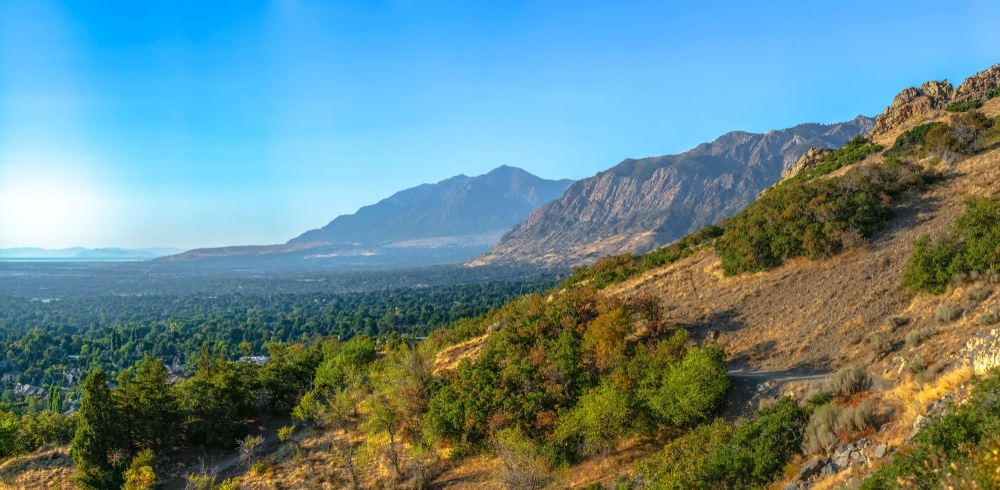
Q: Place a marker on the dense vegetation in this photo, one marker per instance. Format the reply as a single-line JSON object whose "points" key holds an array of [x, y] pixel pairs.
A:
{"points": [[853, 152], [750, 454], [911, 142], [813, 218], [972, 245], [964, 106], [112, 332]]}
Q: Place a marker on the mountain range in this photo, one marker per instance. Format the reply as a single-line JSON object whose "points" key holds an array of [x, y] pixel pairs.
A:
{"points": [[450, 221], [641, 204], [85, 254]]}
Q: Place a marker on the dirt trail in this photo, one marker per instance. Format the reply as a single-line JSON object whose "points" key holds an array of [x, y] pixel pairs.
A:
{"points": [[750, 386]]}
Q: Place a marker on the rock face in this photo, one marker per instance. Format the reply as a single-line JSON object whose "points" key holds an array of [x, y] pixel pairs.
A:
{"points": [[912, 102], [459, 206], [978, 86], [931, 96], [644, 203]]}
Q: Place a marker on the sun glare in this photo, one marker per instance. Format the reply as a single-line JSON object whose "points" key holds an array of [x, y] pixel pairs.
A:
{"points": [[50, 207]]}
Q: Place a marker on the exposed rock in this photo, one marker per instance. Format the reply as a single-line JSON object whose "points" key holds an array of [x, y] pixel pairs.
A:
{"points": [[811, 469], [880, 451], [931, 96], [912, 102], [795, 486], [829, 470], [977, 86]]}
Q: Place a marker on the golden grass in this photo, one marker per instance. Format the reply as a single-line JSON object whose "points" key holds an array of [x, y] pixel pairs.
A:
{"points": [[44, 469], [448, 358], [910, 399]]}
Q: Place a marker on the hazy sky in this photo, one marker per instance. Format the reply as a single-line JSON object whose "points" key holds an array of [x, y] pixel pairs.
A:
{"points": [[142, 123]]}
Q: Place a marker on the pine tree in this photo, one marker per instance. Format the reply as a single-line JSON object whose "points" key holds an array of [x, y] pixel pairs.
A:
{"points": [[97, 446]]}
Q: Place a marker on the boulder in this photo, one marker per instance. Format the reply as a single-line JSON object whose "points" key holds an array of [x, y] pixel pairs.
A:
{"points": [[811, 469]]}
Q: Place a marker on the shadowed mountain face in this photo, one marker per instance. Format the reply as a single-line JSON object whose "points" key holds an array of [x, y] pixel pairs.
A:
{"points": [[459, 206], [642, 204]]}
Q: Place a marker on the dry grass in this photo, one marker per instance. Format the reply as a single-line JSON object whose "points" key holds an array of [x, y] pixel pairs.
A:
{"points": [[43, 469], [910, 399], [448, 358]]}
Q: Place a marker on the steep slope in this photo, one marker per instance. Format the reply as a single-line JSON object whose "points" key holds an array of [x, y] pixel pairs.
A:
{"points": [[461, 205], [641, 204]]}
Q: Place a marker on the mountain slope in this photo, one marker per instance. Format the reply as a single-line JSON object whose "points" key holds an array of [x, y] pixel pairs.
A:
{"points": [[459, 206], [641, 204]]}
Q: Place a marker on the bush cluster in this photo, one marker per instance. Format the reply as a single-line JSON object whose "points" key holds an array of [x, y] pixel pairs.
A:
{"points": [[847, 381], [964, 136], [814, 219], [972, 244], [853, 152], [964, 106], [721, 455], [911, 142]]}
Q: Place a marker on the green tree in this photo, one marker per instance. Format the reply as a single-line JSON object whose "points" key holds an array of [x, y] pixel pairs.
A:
{"points": [[98, 444]]}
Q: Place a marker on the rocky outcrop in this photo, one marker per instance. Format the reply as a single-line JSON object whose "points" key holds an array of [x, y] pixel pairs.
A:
{"points": [[644, 203], [810, 160], [912, 102], [932, 96], [978, 86]]}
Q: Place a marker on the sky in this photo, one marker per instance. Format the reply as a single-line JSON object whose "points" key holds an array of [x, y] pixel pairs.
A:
{"points": [[197, 124]]}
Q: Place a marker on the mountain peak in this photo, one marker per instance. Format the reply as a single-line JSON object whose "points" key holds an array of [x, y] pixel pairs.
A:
{"points": [[458, 206]]}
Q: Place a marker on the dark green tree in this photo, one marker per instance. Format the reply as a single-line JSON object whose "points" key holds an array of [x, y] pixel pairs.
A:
{"points": [[98, 444]]}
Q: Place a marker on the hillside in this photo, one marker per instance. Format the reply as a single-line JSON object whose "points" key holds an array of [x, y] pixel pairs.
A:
{"points": [[460, 206], [641, 204]]}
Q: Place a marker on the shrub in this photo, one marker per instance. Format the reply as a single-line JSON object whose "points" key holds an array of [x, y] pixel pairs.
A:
{"points": [[881, 344], [963, 106], [989, 318], [848, 381], [819, 399], [856, 418], [916, 337], [819, 435], [994, 92], [521, 466], [961, 137], [896, 321], [972, 245], [719, 455], [978, 293], [946, 313], [908, 143]]}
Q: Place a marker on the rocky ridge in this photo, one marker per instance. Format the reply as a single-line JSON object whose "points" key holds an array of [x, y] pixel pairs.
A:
{"points": [[932, 96]]}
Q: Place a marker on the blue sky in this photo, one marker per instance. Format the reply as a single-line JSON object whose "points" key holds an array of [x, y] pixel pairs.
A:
{"points": [[194, 124]]}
